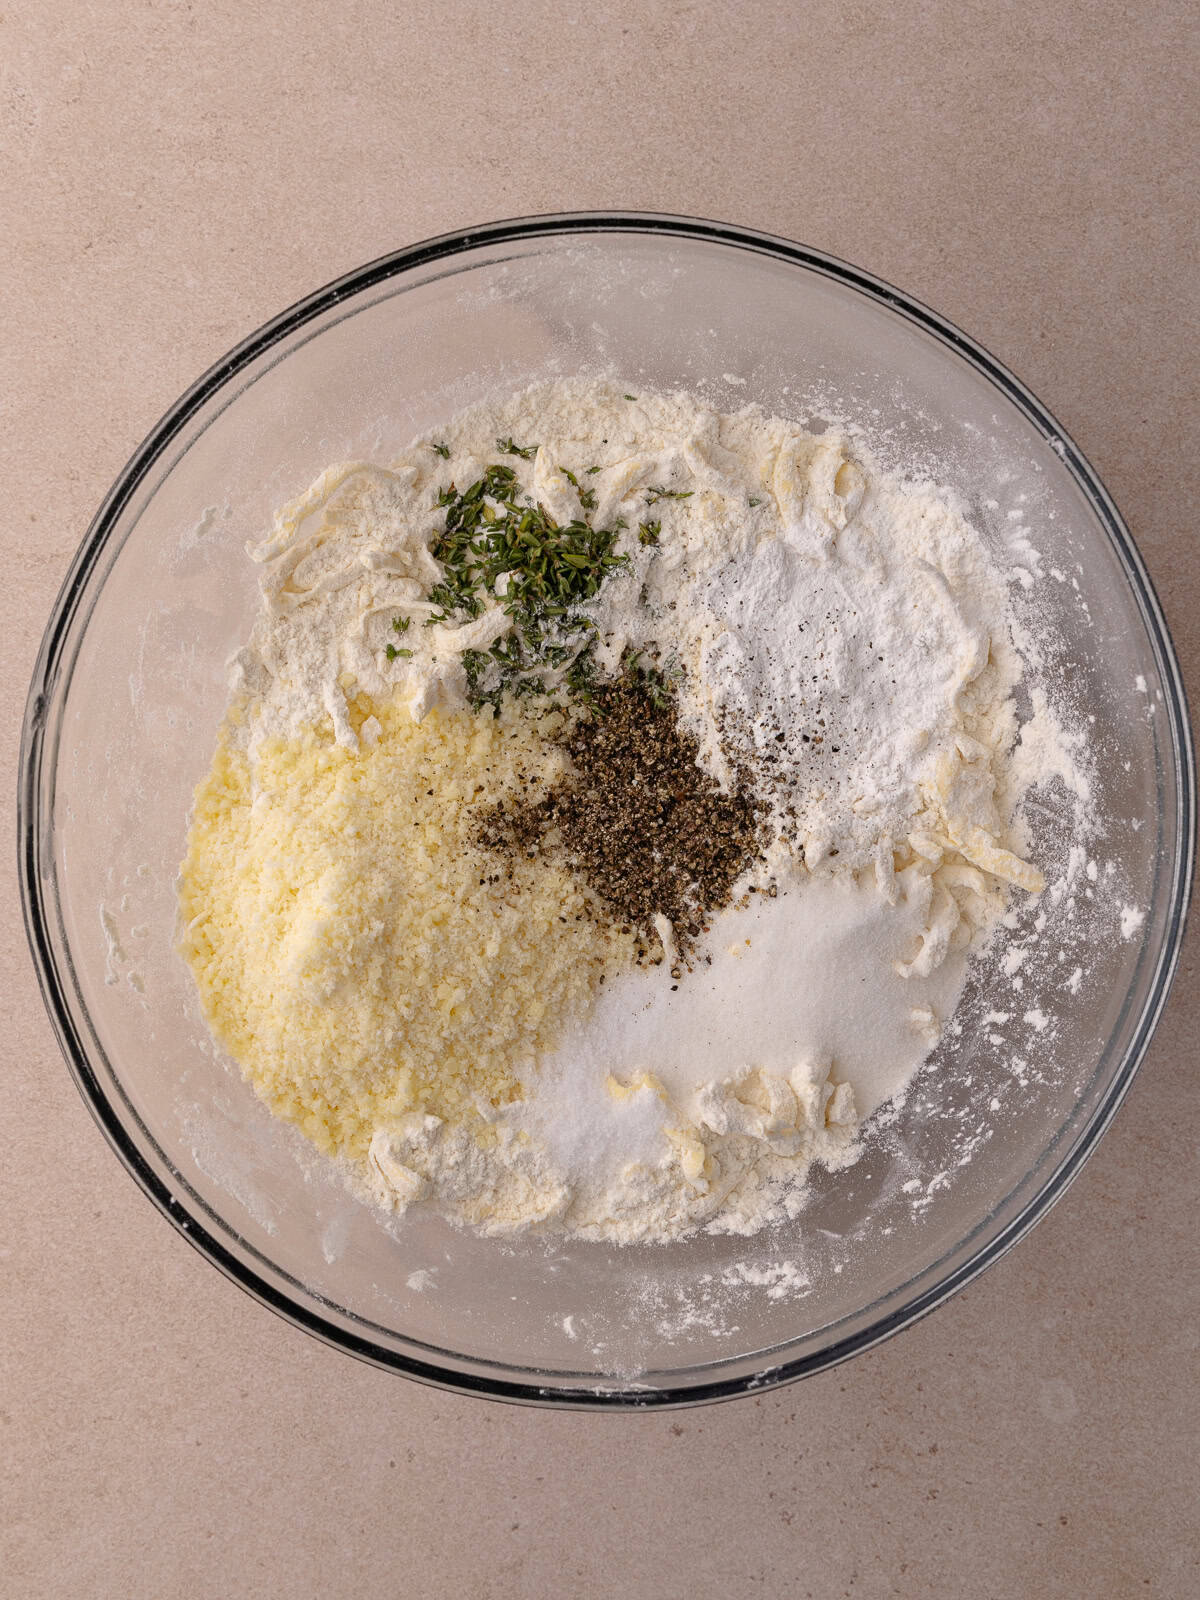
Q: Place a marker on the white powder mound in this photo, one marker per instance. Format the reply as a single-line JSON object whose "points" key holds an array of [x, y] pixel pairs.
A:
{"points": [[807, 978], [838, 635], [802, 997]]}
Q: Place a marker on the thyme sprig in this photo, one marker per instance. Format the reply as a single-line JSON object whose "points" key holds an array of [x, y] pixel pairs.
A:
{"points": [[654, 494], [506, 447], [587, 497]]}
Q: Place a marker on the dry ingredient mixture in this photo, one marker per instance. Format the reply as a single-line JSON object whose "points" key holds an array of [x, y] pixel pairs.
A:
{"points": [[612, 797]]}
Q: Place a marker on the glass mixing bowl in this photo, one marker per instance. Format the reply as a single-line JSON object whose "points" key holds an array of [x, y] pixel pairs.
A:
{"points": [[130, 687]]}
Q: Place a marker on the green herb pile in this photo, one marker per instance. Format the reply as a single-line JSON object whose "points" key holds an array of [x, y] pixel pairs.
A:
{"points": [[550, 570]]}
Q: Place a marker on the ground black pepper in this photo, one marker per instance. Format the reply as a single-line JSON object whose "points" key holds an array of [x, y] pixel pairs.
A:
{"points": [[636, 818]]}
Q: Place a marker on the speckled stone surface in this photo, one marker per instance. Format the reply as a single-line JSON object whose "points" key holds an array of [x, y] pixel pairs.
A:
{"points": [[172, 174]]}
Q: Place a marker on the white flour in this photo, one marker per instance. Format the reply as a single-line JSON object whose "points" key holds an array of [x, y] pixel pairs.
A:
{"points": [[840, 635]]}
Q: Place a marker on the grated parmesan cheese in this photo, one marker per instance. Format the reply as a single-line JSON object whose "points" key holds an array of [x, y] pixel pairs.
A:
{"points": [[353, 951]]}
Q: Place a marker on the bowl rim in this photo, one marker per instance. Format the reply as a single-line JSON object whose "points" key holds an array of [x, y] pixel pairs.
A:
{"points": [[606, 1394]]}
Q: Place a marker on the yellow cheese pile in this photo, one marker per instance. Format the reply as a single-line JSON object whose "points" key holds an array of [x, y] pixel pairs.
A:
{"points": [[354, 951]]}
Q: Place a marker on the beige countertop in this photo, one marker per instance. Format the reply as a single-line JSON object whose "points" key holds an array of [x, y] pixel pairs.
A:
{"points": [[174, 173]]}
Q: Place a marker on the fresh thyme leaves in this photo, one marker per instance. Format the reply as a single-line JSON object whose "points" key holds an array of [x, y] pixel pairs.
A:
{"points": [[657, 683], [659, 689], [592, 471], [654, 494], [541, 571], [648, 532], [392, 652], [753, 502], [506, 447], [587, 497], [475, 665], [441, 450], [630, 397], [402, 624], [581, 677]]}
